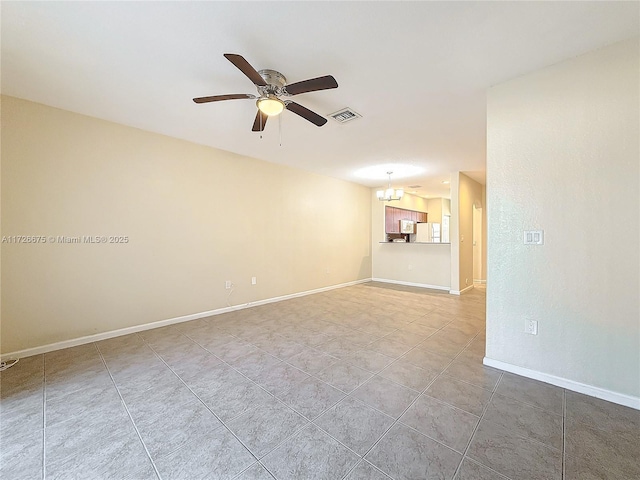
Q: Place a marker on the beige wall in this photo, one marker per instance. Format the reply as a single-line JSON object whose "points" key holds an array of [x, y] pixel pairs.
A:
{"points": [[195, 217], [483, 275], [477, 244], [446, 206], [434, 210], [465, 193], [563, 156]]}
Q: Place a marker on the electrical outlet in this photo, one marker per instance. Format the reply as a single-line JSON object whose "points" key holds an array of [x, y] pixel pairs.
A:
{"points": [[227, 284], [531, 327], [254, 280], [466, 281]]}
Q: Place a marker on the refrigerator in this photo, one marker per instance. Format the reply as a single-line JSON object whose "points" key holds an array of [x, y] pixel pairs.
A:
{"points": [[428, 233]]}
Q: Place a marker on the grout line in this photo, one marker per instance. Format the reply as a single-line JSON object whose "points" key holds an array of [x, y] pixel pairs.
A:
{"points": [[44, 417], [500, 475], [135, 427], [397, 420], [564, 430], [257, 462], [524, 401], [484, 411], [309, 421], [222, 423], [419, 392]]}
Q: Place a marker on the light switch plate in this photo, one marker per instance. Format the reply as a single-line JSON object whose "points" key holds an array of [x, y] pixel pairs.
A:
{"points": [[534, 237]]}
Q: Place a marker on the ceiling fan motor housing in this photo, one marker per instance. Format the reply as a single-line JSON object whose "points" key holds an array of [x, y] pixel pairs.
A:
{"points": [[275, 82]]}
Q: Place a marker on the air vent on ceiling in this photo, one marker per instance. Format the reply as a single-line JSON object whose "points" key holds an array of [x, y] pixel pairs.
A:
{"points": [[345, 115], [414, 186]]}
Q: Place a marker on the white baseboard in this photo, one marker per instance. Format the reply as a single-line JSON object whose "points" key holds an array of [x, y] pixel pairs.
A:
{"points": [[479, 281], [460, 292], [410, 284], [615, 397], [74, 342]]}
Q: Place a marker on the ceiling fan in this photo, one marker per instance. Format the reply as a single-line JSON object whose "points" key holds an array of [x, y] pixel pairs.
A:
{"points": [[271, 87]]}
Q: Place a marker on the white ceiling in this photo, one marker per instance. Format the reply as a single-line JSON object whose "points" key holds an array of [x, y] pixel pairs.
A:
{"points": [[416, 71]]}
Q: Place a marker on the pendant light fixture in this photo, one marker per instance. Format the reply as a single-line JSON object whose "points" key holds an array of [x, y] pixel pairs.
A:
{"points": [[389, 194]]}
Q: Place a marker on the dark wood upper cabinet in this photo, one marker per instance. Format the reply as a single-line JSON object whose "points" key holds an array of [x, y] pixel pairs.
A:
{"points": [[390, 224], [393, 215]]}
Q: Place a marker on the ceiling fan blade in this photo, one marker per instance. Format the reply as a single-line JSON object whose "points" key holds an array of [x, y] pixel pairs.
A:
{"points": [[246, 68], [305, 113], [259, 122], [320, 83], [217, 98]]}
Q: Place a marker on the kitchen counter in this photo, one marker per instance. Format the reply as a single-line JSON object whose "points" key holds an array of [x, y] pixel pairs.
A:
{"points": [[419, 243], [422, 265]]}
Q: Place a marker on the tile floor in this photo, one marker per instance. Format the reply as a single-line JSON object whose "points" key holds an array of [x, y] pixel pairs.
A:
{"points": [[367, 382]]}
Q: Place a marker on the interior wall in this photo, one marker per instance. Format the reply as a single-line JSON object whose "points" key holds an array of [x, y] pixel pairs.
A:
{"points": [[454, 229], [446, 206], [193, 216], [483, 276], [563, 156], [434, 210], [469, 194], [477, 243]]}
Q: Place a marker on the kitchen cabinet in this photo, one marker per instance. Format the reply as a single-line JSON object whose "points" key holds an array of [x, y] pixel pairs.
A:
{"points": [[393, 215], [390, 224]]}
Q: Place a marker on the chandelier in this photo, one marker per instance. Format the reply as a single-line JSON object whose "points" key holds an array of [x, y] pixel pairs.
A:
{"points": [[389, 194]]}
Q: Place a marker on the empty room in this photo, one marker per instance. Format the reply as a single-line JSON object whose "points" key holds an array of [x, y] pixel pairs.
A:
{"points": [[320, 240]]}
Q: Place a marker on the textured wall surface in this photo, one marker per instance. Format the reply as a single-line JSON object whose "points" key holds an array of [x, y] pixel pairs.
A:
{"points": [[563, 156], [195, 217]]}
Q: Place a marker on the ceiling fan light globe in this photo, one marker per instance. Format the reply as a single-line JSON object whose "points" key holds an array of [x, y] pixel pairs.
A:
{"points": [[270, 106]]}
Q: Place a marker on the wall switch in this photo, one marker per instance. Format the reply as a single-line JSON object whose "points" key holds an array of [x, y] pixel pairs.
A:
{"points": [[227, 284], [254, 280], [534, 237], [531, 327]]}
